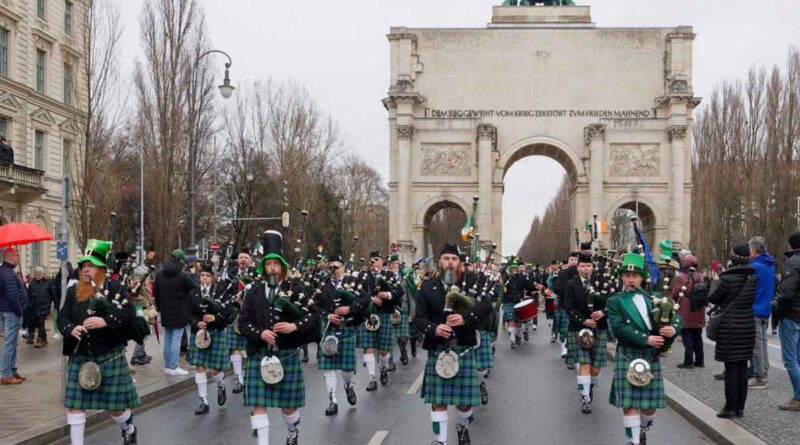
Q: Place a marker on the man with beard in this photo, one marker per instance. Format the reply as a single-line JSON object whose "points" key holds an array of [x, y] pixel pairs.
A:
{"points": [[94, 328], [448, 331], [277, 318], [238, 278]]}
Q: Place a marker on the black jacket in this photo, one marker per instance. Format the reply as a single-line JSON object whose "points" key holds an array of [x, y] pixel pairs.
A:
{"points": [[516, 286], [560, 285], [576, 303], [225, 314], [258, 315], [172, 295], [327, 305], [430, 314], [387, 306], [6, 154], [99, 341], [734, 293], [41, 296], [788, 302]]}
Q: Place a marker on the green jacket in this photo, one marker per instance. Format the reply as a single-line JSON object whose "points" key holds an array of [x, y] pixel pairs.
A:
{"points": [[628, 325]]}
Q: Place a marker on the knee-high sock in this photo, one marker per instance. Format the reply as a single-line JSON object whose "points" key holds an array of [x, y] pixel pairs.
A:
{"points": [[347, 376], [385, 359], [632, 428], [291, 420], [647, 419], [236, 360], [595, 379], [464, 417], [219, 378], [330, 383], [260, 423], [125, 421], [201, 380], [482, 373], [77, 425], [512, 332], [439, 420], [369, 359], [583, 385], [564, 347]]}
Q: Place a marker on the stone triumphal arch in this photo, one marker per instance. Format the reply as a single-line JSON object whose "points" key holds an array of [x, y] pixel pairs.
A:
{"points": [[612, 105]]}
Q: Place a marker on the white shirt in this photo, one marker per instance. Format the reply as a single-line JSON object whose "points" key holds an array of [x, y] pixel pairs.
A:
{"points": [[638, 300]]}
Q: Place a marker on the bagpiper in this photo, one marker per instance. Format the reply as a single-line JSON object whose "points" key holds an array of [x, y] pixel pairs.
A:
{"points": [[276, 318], [479, 283], [637, 386], [343, 304], [587, 338], [568, 272], [235, 285], [377, 333], [400, 318], [515, 287], [448, 319], [208, 346], [96, 321]]}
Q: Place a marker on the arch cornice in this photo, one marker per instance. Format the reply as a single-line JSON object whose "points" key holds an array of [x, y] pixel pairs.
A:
{"points": [[548, 146]]}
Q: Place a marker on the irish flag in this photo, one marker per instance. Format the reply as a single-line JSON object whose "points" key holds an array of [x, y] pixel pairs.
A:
{"points": [[469, 228]]}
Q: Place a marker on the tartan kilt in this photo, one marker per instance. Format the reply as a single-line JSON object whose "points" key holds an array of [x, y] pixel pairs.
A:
{"points": [[625, 395], [215, 356], [461, 390], [563, 323], [483, 354], [597, 357], [403, 329], [345, 360], [383, 339], [117, 391], [235, 341], [508, 312], [288, 393]]}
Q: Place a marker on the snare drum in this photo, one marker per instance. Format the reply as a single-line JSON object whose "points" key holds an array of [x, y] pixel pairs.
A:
{"points": [[526, 310]]}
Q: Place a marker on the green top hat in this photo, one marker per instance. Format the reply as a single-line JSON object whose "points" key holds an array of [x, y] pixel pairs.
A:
{"points": [[633, 262], [393, 257], [273, 248], [666, 250], [96, 252], [513, 263]]}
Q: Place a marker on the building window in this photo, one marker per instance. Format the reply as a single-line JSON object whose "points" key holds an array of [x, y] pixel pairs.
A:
{"points": [[3, 52], [68, 84], [36, 254], [3, 127], [40, 60], [38, 150], [68, 18], [67, 151], [40, 9]]}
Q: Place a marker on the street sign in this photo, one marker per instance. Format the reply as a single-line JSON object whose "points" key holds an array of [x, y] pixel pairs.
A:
{"points": [[62, 251], [285, 219], [214, 247]]}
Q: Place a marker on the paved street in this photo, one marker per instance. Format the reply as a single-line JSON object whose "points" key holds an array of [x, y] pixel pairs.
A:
{"points": [[533, 400]]}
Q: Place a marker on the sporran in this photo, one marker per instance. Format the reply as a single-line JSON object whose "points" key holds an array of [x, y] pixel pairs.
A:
{"points": [[447, 364], [89, 376], [202, 339], [271, 370], [639, 373]]}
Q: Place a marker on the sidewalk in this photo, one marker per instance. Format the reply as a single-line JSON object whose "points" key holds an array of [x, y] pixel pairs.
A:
{"points": [[33, 412], [762, 417]]}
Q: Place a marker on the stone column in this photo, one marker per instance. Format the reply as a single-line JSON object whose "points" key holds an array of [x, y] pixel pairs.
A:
{"points": [[677, 138], [595, 138], [487, 139], [405, 133]]}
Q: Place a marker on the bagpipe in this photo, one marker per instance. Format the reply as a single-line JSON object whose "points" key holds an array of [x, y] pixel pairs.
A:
{"points": [[385, 281], [101, 306]]}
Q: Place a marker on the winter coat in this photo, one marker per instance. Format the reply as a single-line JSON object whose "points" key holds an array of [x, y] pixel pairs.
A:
{"points": [[41, 297], [734, 293], [6, 154], [691, 319], [788, 304], [172, 295], [99, 341], [12, 291], [764, 265]]}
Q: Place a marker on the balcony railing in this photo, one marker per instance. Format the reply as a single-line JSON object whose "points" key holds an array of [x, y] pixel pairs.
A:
{"points": [[20, 176]]}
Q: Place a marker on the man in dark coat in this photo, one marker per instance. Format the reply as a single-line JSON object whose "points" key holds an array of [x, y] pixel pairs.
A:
{"points": [[6, 153], [40, 301], [172, 297], [788, 311], [12, 305]]}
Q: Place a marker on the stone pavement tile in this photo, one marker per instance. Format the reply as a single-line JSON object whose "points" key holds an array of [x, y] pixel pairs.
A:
{"points": [[762, 417]]}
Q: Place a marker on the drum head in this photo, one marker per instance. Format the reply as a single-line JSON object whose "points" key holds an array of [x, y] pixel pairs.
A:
{"points": [[271, 370], [89, 377], [202, 339], [330, 346], [522, 304], [447, 364], [639, 373]]}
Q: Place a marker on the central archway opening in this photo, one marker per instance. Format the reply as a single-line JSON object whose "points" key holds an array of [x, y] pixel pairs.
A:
{"points": [[442, 224]]}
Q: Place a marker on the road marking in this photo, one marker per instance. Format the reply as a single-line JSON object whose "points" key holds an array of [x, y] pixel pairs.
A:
{"points": [[417, 384], [378, 437]]}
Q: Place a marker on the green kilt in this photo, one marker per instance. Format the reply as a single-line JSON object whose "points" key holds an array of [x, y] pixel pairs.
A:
{"points": [[483, 354], [345, 360], [403, 329], [625, 395], [508, 312], [116, 392], [562, 319], [215, 356], [597, 357], [288, 393], [461, 390], [236, 341], [383, 339]]}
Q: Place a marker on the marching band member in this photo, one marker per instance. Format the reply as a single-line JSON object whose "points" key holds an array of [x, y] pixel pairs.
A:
{"points": [[638, 386], [235, 284], [514, 292], [95, 329], [568, 272], [276, 319], [402, 331]]}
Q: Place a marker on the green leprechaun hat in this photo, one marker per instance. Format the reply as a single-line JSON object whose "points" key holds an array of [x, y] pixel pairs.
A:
{"points": [[666, 247], [633, 262], [514, 262], [96, 252], [273, 248]]}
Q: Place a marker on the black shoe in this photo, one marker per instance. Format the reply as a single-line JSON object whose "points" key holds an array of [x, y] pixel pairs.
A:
{"points": [[222, 395], [518, 340], [513, 345], [372, 386], [384, 376], [148, 358], [774, 332], [643, 436], [392, 367], [291, 439], [726, 413], [463, 435], [492, 349], [591, 392], [526, 335], [552, 339], [720, 376], [351, 393], [333, 409], [484, 394], [138, 361], [403, 356], [570, 366], [237, 386], [129, 439], [586, 405], [202, 409], [413, 348], [699, 365], [686, 366], [739, 413], [304, 360]]}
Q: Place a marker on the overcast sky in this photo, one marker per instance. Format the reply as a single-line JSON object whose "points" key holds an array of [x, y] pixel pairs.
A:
{"points": [[338, 50]]}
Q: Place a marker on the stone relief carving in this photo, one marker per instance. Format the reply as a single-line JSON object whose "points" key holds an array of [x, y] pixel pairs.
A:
{"points": [[676, 132], [445, 160], [405, 131], [488, 131], [679, 86], [635, 160]]}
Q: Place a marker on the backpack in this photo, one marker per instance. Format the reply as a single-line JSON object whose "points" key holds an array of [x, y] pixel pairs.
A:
{"points": [[699, 296]]}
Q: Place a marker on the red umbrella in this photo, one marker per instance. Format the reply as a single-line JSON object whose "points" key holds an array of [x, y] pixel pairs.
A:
{"points": [[16, 234]]}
